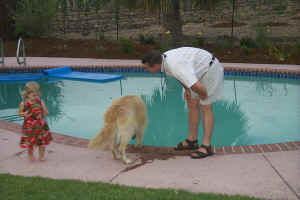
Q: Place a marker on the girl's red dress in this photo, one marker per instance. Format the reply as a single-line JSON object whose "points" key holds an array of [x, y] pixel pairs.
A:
{"points": [[35, 129]]}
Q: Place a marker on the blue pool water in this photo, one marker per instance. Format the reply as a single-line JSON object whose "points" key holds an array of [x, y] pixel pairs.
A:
{"points": [[253, 111]]}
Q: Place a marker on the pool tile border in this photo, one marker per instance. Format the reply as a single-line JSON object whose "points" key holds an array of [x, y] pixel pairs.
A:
{"points": [[228, 71], [219, 150]]}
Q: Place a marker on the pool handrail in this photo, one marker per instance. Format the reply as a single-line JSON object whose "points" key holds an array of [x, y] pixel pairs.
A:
{"points": [[20, 41], [1, 52]]}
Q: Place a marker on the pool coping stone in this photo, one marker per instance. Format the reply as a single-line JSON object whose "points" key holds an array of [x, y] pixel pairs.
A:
{"points": [[218, 150]]}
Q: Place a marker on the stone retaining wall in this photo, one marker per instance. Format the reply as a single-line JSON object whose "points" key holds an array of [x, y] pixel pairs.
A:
{"points": [[283, 18]]}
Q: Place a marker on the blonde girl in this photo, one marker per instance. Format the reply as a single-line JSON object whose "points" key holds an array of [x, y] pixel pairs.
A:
{"points": [[35, 130]]}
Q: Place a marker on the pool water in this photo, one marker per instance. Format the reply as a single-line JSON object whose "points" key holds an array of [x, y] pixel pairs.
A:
{"points": [[253, 111]]}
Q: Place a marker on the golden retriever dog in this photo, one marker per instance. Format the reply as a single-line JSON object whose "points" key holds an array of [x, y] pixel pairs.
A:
{"points": [[124, 119]]}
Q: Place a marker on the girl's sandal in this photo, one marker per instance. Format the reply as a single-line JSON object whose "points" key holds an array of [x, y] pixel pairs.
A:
{"points": [[200, 154], [191, 145]]}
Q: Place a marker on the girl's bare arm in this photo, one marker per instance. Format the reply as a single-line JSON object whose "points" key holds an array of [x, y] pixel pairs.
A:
{"points": [[22, 113], [45, 110]]}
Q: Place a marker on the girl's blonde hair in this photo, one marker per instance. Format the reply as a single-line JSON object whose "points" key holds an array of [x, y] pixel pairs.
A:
{"points": [[31, 87]]}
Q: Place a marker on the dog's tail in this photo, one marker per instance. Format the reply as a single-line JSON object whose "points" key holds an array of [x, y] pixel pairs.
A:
{"points": [[103, 139]]}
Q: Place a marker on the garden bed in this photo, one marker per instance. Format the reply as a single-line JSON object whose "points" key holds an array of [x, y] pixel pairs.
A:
{"points": [[105, 49]]}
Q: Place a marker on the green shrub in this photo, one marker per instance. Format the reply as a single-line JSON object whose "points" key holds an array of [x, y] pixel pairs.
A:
{"points": [[281, 53], [145, 40], [164, 48], [126, 45], [296, 49], [34, 17], [245, 50], [269, 2], [100, 35], [261, 36], [247, 42], [297, 45], [281, 6], [198, 42], [224, 42]]}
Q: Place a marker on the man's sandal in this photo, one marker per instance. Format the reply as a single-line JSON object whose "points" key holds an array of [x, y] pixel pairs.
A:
{"points": [[200, 154], [191, 145]]}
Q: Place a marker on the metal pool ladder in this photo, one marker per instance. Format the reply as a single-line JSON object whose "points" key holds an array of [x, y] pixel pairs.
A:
{"points": [[20, 61], [1, 52]]}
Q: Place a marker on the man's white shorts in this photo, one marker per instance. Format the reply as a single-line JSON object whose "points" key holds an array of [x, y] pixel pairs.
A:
{"points": [[213, 81]]}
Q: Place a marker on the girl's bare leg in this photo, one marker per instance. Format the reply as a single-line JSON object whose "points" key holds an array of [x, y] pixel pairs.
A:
{"points": [[30, 155], [42, 153]]}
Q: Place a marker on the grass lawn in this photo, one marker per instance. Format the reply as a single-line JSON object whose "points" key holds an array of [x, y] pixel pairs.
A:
{"points": [[37, 188]]}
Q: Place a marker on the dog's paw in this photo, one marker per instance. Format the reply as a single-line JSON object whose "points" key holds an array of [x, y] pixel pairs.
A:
{"points": [[117, 156], [127, 161]]}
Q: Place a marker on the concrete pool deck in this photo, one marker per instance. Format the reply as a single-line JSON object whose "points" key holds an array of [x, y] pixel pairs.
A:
{"points": [[272, 175], [271, 172]]}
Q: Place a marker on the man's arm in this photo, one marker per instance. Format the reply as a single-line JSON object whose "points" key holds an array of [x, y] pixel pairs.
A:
{"points": [[200, 89], [183, 85]]}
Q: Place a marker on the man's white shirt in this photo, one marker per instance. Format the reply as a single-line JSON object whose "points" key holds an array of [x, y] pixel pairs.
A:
{"points": [[186, 64]]}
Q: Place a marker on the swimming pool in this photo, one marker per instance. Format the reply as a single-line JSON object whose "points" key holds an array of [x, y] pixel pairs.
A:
{"points": [[253, 111]]}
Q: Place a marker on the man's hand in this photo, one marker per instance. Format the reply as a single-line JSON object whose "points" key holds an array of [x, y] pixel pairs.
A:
{"points": [[24, 114], [187, 94], [200, 90]]}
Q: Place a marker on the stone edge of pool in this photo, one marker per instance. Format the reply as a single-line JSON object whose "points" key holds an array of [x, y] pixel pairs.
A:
{"points": [[231, 68], [219, 150]]}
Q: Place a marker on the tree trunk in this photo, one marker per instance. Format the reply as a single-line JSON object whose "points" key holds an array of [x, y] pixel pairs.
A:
{"points": [[172, 22], [4, 18], [3, 21]]}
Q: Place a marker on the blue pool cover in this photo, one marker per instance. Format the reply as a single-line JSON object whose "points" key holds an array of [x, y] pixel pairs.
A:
{"points": [[64, 73], [20, 77], [67, 73]]}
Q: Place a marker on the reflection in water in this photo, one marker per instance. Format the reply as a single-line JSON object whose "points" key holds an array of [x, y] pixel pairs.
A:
{"points": [[53, 97], [272, 109], [10, 97], [265, 88], [10, 94], [168, 118], [167, 112], [230, 123]]}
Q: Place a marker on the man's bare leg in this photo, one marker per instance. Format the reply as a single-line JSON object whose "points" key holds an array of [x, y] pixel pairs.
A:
{"points": [[208, 124], [194, 119]]}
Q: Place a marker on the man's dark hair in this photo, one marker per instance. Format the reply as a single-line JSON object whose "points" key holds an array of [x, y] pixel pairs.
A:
{"points": [[152, 58]]}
